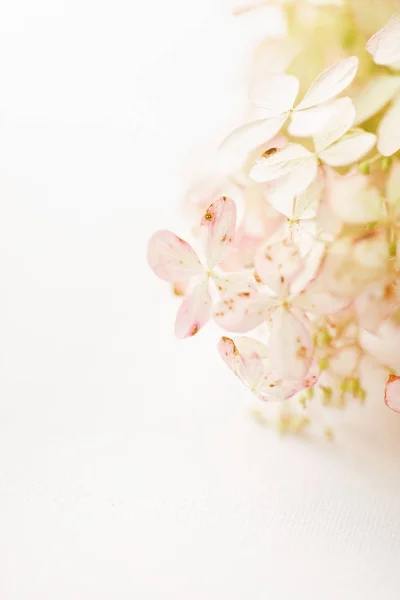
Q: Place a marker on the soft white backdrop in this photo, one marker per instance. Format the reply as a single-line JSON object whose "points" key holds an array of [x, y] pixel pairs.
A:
{"points": [[130, 467]]}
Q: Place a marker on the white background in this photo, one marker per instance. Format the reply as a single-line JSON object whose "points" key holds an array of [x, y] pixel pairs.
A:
{"points": [[130, 468]]}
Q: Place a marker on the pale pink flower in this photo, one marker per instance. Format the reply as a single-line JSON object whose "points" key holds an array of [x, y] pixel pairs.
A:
{"points": [[174, 260]]}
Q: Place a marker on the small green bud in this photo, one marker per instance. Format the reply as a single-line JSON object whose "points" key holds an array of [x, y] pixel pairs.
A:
{"points": [[323, 363], [364, 167], [386, 163]]}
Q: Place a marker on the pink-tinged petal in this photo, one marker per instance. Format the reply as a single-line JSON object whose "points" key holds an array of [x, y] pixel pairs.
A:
{"points": [[384, 345], [339, 123], [243, 311], [354, 200], [275, 388], [236, 147], [248, 366], [349, 149], [319, 302], [378, 92], [290, 344], [194, 312], [171, 258], [377, 303], [218, 227], [343, 361], [330, 83], [277, 263], [392, 393], [385, 44], [230, 283], [274, 92], [389, 130]]}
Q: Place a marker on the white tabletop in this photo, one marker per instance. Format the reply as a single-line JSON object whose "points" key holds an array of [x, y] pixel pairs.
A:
{"points": [[130, 467]]}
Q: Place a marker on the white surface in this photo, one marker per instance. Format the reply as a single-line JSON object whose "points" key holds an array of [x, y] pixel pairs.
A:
{"points": [[129, 465]]}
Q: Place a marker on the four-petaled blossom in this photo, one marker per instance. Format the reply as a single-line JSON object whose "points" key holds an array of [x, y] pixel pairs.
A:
{"points": [[174, 260], [294, 168], [275, 95]]}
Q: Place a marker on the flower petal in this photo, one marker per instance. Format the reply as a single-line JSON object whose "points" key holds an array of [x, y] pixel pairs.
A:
{"points": [[320, 303], [393, 185], [389, 130], [311, 121], [236, 147], [377, 303], [330, 83], [277, 263], [274, 92], [306, 203], [385, 44], [290, 343], [231, 283], [194, 311], [280, 163], [392, 393], [384, 345], [340, 122], [243, 311], [247, 366], [374, 96], [354, 200], [171, 258], [349, 149], [218, 227]]}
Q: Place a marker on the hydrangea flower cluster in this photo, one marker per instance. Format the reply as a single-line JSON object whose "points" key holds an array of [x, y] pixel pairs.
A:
{"points": [[312, 267]]}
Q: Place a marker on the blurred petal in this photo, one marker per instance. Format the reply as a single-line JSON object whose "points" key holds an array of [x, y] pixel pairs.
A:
{"points": [[218, 227], [393, 185], [374, 96], [277, 264], [392, 393], [330, 82], [340, 122], [389, 130], [290, 344], [237, 145], [385, 44], [171, 258], [383, 346], [275, 93], [349, 149], [377, 303], [194, 311], [343, 361], [319, 302], [355, 201]]}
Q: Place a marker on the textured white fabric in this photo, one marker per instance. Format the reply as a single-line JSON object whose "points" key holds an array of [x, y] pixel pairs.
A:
{"points": [[129, 465]]}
